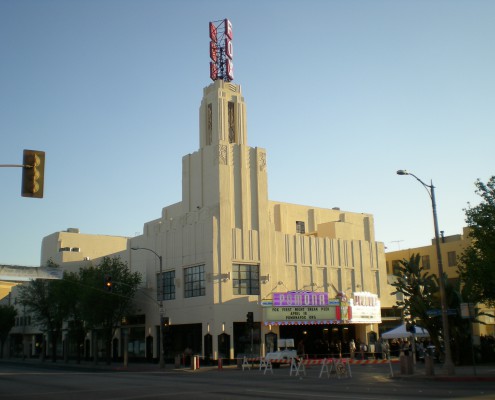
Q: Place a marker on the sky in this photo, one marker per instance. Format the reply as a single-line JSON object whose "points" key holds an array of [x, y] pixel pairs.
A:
{"points": [[341, 94]]}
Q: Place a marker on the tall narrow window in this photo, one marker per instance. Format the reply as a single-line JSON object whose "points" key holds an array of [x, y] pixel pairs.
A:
{"points": [[231, 123], [167, 289], [396, 267], [300, 228], [425, 260], [194, 281], [246, 279], [452, 258], [209, 125]]}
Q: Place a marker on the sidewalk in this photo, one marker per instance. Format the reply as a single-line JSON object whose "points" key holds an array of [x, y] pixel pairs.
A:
{"points": [[466, 373], [100, 366]]}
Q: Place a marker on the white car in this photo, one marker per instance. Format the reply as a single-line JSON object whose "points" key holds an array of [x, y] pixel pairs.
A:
{"points": [[281, 357]]}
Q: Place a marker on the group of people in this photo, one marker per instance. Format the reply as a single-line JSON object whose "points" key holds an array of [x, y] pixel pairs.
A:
{"points": [[380, 349]]}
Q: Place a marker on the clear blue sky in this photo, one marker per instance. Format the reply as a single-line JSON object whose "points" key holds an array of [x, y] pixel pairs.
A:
{"points": [[341, 94]]}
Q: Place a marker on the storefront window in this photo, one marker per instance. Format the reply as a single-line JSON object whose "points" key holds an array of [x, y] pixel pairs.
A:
{"points": [[136, 345]]}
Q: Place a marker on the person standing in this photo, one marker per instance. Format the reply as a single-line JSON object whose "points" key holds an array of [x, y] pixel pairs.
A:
{"points": [[385, 349], [352, 348]]}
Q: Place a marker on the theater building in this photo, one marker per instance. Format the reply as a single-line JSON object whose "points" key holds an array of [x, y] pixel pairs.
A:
{"points": [[225, 250]]}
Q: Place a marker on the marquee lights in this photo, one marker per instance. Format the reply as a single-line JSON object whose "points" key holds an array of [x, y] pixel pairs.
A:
{"points": [[221, 51], [300, 298], [299, 307]]}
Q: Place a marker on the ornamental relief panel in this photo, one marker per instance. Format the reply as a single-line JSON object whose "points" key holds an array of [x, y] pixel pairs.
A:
{"points": [[222, 154], [262, 161]]}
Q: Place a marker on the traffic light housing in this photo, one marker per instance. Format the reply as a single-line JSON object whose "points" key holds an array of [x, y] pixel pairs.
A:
{"points": [[165, 322], [33, 173], [250, 319], [108, 283]]}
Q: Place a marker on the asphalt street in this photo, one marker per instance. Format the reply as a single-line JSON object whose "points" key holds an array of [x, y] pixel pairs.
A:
{"points": [[23, 381]]}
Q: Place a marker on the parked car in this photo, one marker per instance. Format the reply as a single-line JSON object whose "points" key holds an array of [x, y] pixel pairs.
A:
{"points": [[281, 357]]}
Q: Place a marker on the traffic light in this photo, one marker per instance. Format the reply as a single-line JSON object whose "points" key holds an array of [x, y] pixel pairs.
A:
{"points": [[165, 321], [249, 318], [108, 283], [33, 173]]}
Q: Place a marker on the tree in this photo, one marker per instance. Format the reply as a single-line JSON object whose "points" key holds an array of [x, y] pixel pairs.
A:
{"points": [[476, 264], [420, 294], [47, 301], [75, 323], [7, 321], [104, 307]]}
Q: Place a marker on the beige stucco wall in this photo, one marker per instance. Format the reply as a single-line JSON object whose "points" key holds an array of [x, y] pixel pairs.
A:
{"points": [[225, 217], [453, 243], [84, 248]]}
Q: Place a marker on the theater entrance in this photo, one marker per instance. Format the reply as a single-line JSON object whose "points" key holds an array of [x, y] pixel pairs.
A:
{"points": [[320, 341]]}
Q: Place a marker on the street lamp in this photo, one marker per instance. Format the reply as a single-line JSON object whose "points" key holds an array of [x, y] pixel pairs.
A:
{"points": [[160, 303], [449, 365]]}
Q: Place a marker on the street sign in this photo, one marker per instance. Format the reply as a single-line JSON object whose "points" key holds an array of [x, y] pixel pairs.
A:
{"points": [[436, 312]]}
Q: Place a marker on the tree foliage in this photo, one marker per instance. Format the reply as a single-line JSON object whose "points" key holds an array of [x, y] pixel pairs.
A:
{"points": [[477, 262], [420, 294], [82, 300], [103, 309], [7, 321], [45, 299]]}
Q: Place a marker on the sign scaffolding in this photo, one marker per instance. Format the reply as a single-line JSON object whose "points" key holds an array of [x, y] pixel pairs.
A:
{"points": [[221, 51]]}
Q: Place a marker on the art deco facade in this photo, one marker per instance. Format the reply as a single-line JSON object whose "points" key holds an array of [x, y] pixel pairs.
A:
{"points": [[226, 249]]}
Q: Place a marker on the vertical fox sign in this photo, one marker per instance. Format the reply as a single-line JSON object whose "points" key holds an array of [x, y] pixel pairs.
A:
{"points": [[221, 51]]}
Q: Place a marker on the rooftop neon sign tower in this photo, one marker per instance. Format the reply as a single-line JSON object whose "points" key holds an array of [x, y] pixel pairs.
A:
{"points": [[221, 51]]}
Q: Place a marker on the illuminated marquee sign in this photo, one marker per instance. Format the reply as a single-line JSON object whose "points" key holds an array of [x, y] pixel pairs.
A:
{"points": [[304, 308], [300, 315], [365, 308], [308, 308], [221, 51], [300, 298]]}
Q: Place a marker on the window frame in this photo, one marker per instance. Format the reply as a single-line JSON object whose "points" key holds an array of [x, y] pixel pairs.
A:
{"points": [[426, 261], [245, 279], [194, 281], [396, 267], [452, 261], [167, 286]]}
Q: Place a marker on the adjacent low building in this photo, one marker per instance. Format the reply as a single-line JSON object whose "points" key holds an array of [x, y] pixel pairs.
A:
{"points": [[451, 247]]}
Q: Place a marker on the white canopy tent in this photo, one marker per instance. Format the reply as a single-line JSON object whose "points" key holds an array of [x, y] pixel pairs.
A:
{"points": [[401, 332]]}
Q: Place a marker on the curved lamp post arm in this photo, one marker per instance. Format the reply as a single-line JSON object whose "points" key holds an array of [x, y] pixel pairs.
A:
{"points": [[429, 188], [153, 251]]}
